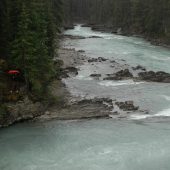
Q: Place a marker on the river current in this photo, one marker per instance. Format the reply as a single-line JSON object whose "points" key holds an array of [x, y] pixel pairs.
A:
{"points": [[141, 141]]}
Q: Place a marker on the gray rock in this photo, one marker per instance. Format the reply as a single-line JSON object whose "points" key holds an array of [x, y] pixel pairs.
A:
{"points": [[124, 73], [99, 59], [120, 75], [94, 37], [152, 76], [71, 70], [20, 111], [139, 67], [127, 106], [81, 51], [95, 75]]}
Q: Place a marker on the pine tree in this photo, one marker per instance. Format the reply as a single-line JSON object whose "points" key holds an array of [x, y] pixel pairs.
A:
{"points": [[22, 47]]}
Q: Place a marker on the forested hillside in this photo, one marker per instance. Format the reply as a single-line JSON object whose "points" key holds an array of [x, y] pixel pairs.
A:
{"points": [[28, 32], [29, 36], [147, 17], [28, 29]]}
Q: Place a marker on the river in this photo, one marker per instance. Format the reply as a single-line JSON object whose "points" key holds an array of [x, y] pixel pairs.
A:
{"points": [[140, 141]]}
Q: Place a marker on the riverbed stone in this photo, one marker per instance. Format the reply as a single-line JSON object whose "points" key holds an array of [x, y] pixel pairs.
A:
{"points": [[95, 75], [139, 67], [127, 106], [120, 75], [152, 76]]}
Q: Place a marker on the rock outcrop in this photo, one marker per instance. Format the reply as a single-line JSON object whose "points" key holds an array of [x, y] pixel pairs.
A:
{"points": [[120, 75], [20, 111], [94, 36], [152, 76], [139, 67], [127, 106], [99, 59], [95, 75], [84, 109]]}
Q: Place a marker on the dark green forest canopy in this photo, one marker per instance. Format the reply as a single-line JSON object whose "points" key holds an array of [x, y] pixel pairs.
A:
{"points": [[149, 17], [28, 29], [28, 32]]}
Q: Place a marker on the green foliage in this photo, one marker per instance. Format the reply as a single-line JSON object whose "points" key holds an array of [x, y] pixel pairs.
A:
{"points": [[28, 32], [146, 17], [3, 110]]}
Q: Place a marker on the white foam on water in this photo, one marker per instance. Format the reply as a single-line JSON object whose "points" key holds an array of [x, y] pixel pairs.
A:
{"points": [[118, 37], [160, 58], [108, 38], [77, 28], [119, 83], [163, 113], [166, 97], [138, 117], [138, 42], [81, 77]]}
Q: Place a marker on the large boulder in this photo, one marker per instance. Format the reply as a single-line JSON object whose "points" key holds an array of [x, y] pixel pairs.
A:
{"points": [[124, 73], [73, 70]]}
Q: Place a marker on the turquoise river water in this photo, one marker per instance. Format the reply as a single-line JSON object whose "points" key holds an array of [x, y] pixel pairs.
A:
{"points": [[139, 142]]}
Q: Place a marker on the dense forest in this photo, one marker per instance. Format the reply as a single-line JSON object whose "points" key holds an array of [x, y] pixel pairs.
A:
{"points": [[143, 17], [28, 32], [29, 29]]}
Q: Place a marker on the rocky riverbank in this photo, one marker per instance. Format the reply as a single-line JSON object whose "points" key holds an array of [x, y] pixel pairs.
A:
{"points": [[69, 107], [82, 108], [21, 111], [111, 29]]}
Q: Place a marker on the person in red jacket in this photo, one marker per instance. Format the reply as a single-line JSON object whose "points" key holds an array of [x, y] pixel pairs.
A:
{"points": [[14, 76]]}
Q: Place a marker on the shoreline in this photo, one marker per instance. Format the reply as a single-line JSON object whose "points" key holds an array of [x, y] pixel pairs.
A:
{"points": [[103, 28], [27, 110], [68, 106]]}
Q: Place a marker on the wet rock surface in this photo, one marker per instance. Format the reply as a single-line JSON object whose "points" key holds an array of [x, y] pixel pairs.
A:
{"points": [[72, 70], [152, 76], [95, 75], [90, 109], [139, 67], [72, 37], [94, 37], [99, 59], [124, 73], [20, 111], [84, 109], [81, 51], [120, 75], [127, 106]]}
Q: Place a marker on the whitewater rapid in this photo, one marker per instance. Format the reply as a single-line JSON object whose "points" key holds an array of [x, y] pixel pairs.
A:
{"points": [[141, 141], [128, 52]]}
